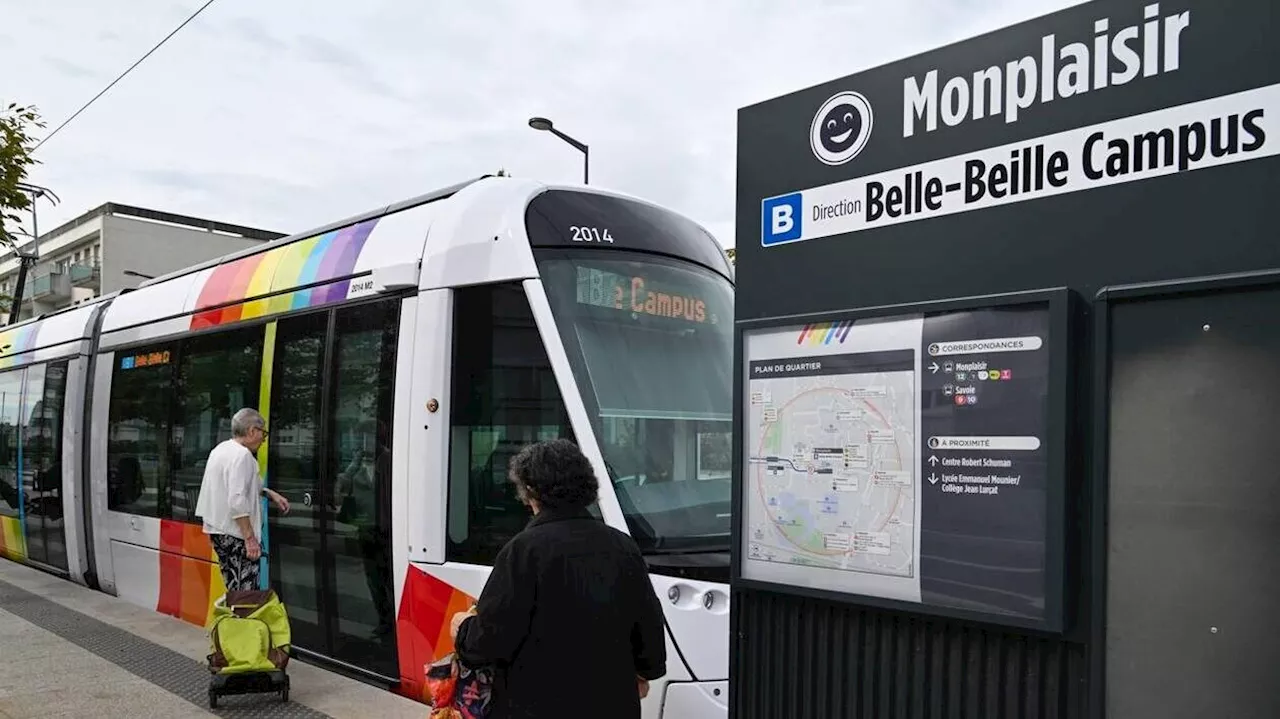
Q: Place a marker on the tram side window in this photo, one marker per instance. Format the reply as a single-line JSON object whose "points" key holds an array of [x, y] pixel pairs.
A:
{"points": [[42, 452], [217, 375], [10, 406], [42, 463], [504, 397], [138, 432]]}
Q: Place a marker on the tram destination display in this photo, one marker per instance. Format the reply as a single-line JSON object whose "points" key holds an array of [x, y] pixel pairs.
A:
{"points": [[905, 460], [638, 294]]}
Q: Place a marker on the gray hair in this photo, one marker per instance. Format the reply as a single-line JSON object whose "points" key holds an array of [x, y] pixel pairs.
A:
{"points": [[245, 420]]}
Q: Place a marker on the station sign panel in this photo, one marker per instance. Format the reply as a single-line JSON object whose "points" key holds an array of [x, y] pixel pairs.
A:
{"points": [[913, 458]]}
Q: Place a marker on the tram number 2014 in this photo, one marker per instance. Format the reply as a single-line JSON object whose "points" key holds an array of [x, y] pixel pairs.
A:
{"points": [[590, 234]]}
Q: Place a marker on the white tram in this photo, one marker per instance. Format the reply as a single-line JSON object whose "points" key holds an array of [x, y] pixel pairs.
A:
{"points": [[400, 357]]}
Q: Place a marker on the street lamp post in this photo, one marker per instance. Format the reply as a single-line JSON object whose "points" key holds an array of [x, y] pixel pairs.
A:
{"points": [[542, 123]]}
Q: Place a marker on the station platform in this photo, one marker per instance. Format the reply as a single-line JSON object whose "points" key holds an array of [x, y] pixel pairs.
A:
{"points": [[68, 651]]}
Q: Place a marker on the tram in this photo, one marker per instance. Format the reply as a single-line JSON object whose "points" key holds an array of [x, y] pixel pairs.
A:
{"points": [[401, 357]]}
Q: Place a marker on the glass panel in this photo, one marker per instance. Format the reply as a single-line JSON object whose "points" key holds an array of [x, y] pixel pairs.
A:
{"points": [[504, 396], [218, 375], [293, 470], [138, 432], [32, 458], [46, 426], [360, 457], [651, 343], [10, 402]]}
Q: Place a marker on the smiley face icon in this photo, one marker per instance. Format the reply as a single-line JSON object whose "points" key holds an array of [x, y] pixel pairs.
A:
{"points": [[840, 128]]}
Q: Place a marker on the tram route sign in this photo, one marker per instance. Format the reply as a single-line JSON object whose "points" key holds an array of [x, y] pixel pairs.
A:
{"points": [[1070, 150], [910, 459]]}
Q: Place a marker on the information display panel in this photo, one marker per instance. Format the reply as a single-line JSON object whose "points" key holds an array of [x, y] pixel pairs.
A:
{"points": [[911, 457]]}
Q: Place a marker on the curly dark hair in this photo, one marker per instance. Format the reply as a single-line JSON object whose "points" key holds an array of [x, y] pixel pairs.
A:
{"points": [[555, 473]]}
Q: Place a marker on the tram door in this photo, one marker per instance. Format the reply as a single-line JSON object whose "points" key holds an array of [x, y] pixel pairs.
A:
{"points": [[329, 453]]}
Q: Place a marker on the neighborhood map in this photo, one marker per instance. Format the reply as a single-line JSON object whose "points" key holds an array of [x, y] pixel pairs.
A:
{"points": [[830, 472]]}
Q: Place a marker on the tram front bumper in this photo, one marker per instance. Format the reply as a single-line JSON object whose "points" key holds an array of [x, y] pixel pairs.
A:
{"points": [[696, 700]]}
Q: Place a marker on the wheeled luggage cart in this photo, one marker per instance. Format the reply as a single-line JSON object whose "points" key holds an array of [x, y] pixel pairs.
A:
{"points": [[249, 640]]}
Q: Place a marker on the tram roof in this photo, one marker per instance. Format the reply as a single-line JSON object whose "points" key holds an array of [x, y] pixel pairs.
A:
{"points": [[47, 337], [306, 269], [317, 267], [393, 208]]}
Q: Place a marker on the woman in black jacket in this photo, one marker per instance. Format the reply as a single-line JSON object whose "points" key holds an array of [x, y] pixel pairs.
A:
{"points": [[568, 616]]}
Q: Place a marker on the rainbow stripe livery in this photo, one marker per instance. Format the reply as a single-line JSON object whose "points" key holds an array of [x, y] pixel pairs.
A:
{"points": [[13, 541], [190, 580], [426, 608], [823, 333], [13, 343], [257, 285]]}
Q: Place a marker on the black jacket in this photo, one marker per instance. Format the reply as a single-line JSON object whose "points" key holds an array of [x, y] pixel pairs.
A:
{"points": [[570, 618]]}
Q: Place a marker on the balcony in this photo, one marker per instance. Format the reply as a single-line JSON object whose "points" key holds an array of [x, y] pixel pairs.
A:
{"points": [[51, 286], [84, 276]]}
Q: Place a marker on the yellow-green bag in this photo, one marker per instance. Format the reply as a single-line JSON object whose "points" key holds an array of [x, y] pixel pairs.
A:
{"points": [[248, 632]]}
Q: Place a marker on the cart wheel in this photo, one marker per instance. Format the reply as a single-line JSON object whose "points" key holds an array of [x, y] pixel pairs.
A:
{"points": [[213, 699]]}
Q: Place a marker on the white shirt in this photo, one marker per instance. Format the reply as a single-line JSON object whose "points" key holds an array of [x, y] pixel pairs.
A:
{"points": [[231, 488]]}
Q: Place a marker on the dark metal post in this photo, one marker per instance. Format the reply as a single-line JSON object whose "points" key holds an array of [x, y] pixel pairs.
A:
{"points": [[586, 157], [542, 123], [26, 262]]}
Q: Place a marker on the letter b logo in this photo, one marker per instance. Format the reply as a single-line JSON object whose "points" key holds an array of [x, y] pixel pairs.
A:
{"points": [[782, 222], [781, 219]]}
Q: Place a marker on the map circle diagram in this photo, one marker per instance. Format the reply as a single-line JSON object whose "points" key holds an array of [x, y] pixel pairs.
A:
{"points": [[831, 461]]}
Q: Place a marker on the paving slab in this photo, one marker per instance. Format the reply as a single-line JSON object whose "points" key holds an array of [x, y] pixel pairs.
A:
{"points": [[73, 652]]}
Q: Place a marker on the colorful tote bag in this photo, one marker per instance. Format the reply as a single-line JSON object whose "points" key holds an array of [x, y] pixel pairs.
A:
{"points": [[458, 691]]}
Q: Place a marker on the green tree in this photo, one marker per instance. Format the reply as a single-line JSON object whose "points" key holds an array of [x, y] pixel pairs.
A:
{"points": [[16, 145]]}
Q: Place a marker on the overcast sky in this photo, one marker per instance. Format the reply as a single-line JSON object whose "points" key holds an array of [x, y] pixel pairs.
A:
{"points": [[289, 114]]}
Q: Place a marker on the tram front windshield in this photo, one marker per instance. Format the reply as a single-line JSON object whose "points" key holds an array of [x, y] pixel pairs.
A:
{"points": [[651, 344]]}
